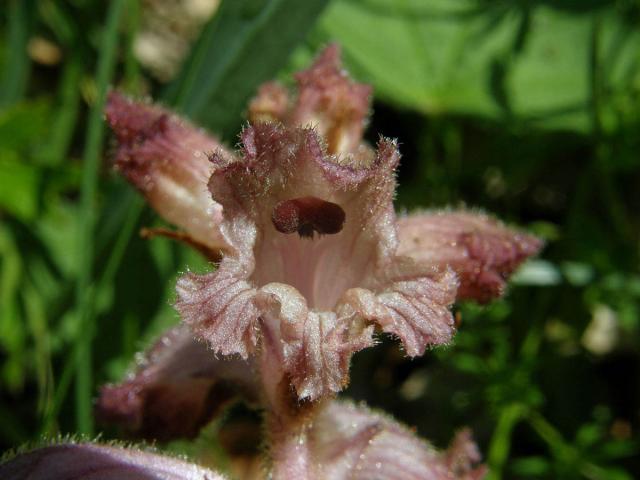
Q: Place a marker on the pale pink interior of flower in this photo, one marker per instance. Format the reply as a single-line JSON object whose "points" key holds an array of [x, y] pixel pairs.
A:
{"points": [[322, 267]]}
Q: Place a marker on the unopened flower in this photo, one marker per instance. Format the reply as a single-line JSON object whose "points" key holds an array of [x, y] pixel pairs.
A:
{"points": [[165, 158], [481, 250]]}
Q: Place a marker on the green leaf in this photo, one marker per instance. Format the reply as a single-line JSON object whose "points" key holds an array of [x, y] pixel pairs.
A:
{"points": [[18, 186], [12, 329], [502, 60], [244, 44], [24, 124], [530, 466], [15, 71], [416, 54]]}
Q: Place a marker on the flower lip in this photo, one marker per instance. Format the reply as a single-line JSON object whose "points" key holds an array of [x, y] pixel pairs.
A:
{"points": [[307, 215]]}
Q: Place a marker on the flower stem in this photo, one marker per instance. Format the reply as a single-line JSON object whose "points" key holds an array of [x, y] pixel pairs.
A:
{"points": [[288, 420]]}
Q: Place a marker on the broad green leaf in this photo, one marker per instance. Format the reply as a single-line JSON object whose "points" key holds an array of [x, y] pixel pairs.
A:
{"points": [[522, 61], [244, 44], [417, 54]]}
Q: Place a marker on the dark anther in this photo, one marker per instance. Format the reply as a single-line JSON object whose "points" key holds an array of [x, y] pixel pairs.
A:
{"points": [[306, 215]]}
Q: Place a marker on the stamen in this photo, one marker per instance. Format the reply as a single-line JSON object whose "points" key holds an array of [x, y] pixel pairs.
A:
{"points": [[307, 215]]}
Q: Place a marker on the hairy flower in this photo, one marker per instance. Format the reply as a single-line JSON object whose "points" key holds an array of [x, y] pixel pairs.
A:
{"points": [[312, 259], [328, 100], [481, 250], [315, 257], [346, 441]]}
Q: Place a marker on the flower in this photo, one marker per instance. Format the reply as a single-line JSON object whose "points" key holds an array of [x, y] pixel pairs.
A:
{"points": [[314, 255], [481, 250], [164, 157], [311, 259], [178, 386]]}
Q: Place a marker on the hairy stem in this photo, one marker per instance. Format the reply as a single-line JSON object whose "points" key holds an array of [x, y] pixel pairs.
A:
{"points": [[288, 420]]}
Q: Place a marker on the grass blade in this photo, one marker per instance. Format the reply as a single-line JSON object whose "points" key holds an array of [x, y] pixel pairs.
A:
{"points": [[16, 69], [238, 50], [91, 159]]}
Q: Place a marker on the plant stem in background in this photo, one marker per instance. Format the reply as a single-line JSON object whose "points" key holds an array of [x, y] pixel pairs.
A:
{"points": [[91, 160], [16, 69]]}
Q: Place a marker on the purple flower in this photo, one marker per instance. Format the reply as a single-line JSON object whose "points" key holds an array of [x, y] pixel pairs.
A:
{"points": [[311, 260]]}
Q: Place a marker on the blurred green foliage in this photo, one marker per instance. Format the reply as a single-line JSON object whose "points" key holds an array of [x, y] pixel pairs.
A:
{"points": [[529, 109]]}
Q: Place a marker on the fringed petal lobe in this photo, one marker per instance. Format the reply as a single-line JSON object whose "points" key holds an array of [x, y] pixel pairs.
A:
{"points": [[316, 347], [481, 250], [219, 308], [413, 303]]}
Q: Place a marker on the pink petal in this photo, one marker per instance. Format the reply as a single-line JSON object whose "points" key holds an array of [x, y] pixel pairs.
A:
{"points": [[327, 100], [175, 390], [271, 104], [279, 202], [165, 157], [316, 347], [356, 443], [88, 461], [332, 102], [219, 308], [413, 303], [481, 250]]}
